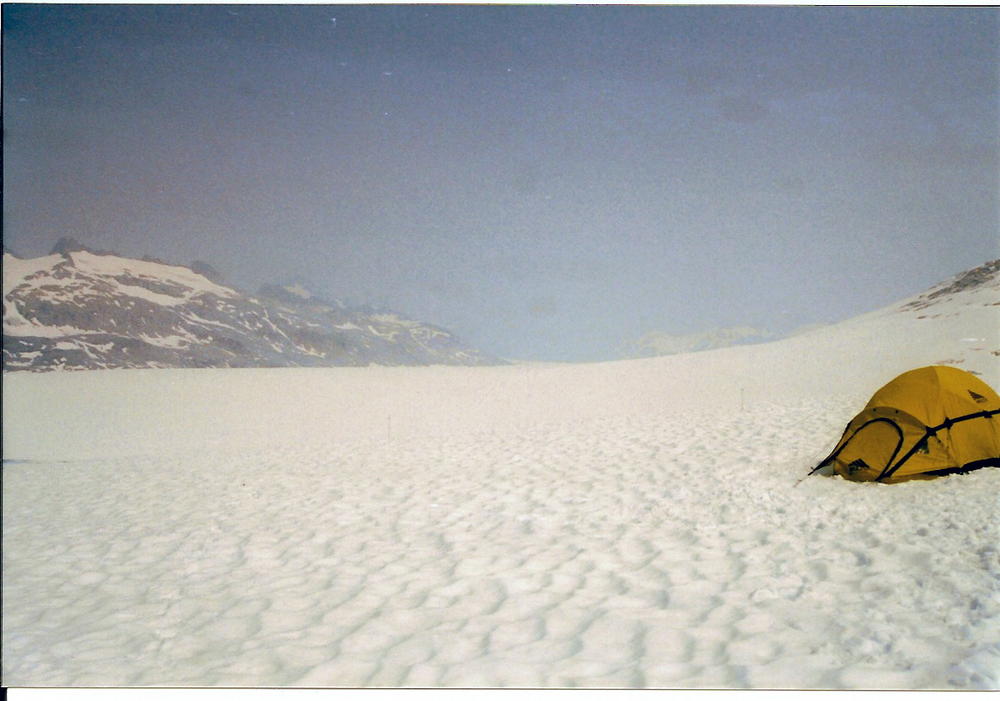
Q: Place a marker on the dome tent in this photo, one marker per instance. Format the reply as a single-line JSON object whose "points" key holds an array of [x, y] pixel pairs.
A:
{"points": [[927, 422]]}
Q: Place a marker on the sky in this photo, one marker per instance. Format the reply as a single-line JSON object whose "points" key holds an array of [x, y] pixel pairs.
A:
{"points": [[548, 182]]}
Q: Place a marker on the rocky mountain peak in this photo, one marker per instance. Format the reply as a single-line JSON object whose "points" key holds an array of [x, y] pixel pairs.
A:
{"points": [[68, 244]]}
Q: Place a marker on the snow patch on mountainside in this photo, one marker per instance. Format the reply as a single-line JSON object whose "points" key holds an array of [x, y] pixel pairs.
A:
{"points": [[21, 271], [115, 267]]}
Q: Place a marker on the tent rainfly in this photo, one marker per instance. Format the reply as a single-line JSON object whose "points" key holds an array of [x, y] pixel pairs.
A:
{"points": [[927, 422]]}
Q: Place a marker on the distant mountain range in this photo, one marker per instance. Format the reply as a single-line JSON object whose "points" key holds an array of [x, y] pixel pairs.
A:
{"points": [[658, 343], [78, 308]]}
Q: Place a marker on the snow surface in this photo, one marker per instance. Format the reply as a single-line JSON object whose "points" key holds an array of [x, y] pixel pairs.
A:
{"points": [[626, 524]]}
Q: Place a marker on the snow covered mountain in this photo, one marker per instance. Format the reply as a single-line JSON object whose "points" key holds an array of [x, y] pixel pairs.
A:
{"points": [[83, 309]]}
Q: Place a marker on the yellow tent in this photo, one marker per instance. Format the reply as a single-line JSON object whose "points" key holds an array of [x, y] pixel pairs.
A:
{"points": [[926, 423]]}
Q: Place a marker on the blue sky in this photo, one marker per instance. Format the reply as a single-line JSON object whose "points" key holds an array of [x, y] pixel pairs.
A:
{"points": [[546, 181]]}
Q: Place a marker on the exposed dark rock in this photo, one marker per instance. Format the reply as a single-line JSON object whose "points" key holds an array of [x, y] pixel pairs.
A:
{"points": [[970, 279], [206, 270], [68, 244]]}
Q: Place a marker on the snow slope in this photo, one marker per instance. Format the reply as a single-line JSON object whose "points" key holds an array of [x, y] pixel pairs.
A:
{"points": [[626, 524]]}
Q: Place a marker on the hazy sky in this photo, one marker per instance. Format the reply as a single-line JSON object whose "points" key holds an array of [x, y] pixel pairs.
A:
{"points": [[546, 181]]}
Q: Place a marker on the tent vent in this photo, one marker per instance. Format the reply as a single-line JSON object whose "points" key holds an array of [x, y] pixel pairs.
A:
{"points": [[977, 397], [857, 466]]}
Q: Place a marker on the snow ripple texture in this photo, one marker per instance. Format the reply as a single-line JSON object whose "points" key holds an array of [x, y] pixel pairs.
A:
{"points": [[474, 537]]}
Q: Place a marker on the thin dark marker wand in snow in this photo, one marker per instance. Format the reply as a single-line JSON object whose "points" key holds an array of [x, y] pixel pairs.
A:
{"points": [[810, 474]]}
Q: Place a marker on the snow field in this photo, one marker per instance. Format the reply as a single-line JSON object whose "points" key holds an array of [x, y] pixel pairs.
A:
{"points": [[631, 524], [461, 542]]}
